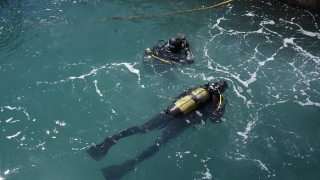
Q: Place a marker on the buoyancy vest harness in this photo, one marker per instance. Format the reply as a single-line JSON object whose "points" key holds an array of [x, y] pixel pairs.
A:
{"points": [[220, 103]]}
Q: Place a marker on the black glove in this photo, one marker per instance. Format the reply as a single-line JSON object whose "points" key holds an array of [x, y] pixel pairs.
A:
{"points": [[189, 56]]}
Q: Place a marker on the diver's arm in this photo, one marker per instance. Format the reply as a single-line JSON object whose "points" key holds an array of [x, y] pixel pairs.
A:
{"points": [[189, 55], [177, 57], [185, 45], [169, 55], [217, 116]]}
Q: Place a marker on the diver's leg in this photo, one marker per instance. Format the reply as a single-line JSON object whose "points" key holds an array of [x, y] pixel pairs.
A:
{"points": [[98, 151], [118, 171], [173, 129]]}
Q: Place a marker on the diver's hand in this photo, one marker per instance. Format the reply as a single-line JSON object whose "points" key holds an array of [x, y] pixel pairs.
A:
{"points": [[187, 45], [189, 56]]}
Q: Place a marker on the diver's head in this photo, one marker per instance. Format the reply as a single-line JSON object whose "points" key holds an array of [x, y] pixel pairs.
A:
{"points": [[220, 85], [175, 44]]}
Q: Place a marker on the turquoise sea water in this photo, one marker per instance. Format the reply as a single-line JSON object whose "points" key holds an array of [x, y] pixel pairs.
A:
{"points": [[69, 78]]}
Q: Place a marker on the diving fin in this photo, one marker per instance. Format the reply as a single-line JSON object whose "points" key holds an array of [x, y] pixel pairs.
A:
{"points": [[116, 172], [98, 151]]}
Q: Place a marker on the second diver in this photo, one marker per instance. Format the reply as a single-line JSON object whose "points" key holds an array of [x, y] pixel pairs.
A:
{"points": [[170, 51]]}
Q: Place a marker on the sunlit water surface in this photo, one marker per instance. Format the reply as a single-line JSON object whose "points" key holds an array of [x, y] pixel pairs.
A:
{"points": [[70, 78]]}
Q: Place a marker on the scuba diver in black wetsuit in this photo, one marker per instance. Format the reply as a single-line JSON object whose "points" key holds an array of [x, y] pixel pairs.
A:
{"points": [[191, 107], [163, 59], [169, 52]]}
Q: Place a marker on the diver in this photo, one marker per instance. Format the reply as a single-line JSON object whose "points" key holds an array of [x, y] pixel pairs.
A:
{"points": [[170, 51], [192, 107]]}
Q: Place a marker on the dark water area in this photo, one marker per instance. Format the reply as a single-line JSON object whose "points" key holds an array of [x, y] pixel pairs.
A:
{"points": [[71, 77]]}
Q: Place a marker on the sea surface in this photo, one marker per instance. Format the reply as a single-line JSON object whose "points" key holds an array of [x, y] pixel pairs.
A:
{"points": [[72, 75]]}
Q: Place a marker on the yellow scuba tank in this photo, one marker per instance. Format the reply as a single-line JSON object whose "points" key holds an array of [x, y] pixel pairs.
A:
{"points": [[189, 102]]}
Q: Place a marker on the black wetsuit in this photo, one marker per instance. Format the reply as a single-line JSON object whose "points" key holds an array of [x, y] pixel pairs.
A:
{"points": [[167, 55], [174, 126]]}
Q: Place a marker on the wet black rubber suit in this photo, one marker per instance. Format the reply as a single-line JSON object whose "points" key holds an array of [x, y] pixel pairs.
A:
{"points": [[170, 51], [172, 119]]}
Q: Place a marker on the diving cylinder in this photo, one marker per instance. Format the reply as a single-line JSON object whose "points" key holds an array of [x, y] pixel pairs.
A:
{"points": [[189, 102]]}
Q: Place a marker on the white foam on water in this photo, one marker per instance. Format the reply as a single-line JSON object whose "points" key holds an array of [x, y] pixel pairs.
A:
{"points": [[308, 103], [17, 109], [309, 33], [130, 68], [249, 14], [83, 76], [262, 166], [97, 89], [8, 120], [268, 59], [269, 22], [7, 172], [15, 135], [218, 22], [224, 70], [60, 123], [13, 108], [305, 32], [93, 71], [217, 26], [253, 78], [239, 95], [247, 130], [206, 174], [14, 121], [180, 154], [300, 49]]}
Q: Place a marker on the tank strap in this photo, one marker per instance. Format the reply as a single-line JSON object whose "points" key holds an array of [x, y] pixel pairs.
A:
{"points": [[197, 100], [163, 60], [220, 102]]}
